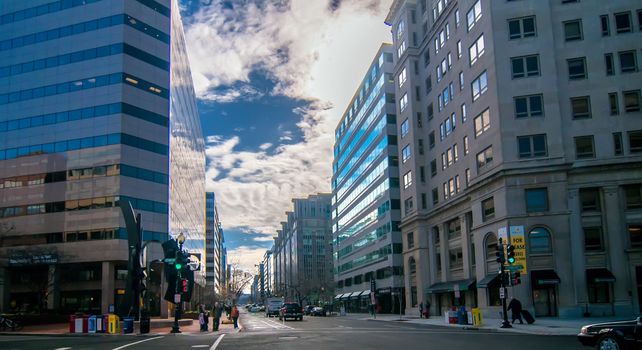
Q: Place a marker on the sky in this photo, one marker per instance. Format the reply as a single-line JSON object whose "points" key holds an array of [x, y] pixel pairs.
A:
{"points": [[272, 79]]}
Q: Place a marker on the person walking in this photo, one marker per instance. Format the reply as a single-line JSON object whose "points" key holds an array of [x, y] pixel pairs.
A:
{"points": [[426, 310], [516, 309], [203, 317], [217, 314], [235, 316], [421, 310]]}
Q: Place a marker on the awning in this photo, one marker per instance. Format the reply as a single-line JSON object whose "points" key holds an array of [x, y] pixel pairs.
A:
{"points": [[339, 296], [364, 293], [488, 280], [449, 286], [600, 275], [544, 278]]}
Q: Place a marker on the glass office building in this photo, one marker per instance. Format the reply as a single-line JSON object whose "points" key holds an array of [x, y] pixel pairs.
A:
{"points": [[91, 113], [365, 195]]}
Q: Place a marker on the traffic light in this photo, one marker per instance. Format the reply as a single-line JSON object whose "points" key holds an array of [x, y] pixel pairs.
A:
{"points": [[517, 278], [500, 255], [510, 254], [184, 286], [171, 273]]}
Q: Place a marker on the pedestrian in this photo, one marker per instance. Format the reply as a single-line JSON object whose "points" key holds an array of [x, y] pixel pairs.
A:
{"points": [[421, 310], [516, 309], [202, 317], [235, 316], [427, 309]]}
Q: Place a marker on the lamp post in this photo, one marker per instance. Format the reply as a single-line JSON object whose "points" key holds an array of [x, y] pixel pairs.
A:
{"points": [[179, 305]]}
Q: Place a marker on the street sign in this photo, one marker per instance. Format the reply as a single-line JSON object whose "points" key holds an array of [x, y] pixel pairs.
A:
{"points": [[518, 241], [503, 234], [177, 298], [502, 293]]}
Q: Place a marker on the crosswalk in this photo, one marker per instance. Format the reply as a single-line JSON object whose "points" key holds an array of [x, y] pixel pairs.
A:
{"points": [[255, 323]]}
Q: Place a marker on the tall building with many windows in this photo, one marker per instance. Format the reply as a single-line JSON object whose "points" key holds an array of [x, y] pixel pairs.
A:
{"points": [[365, 194], [523, 119], [213, 249], [96, 99], [301, 252]]}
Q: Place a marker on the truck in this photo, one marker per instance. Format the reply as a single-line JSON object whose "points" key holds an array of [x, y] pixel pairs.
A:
{"points": [[272, 306]]}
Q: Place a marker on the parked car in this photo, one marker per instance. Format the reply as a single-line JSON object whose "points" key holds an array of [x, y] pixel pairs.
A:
{"points": [[262, 308], [254, 308], [307, 309], [618, 335], [273, 307], [318, 311], [291, 310]]}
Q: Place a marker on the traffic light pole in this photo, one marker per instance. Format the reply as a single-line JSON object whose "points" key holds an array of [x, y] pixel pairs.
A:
{"points": [[179, 305], [502, 279]]}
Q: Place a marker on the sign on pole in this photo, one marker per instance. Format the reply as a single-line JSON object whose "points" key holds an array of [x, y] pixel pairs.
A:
{"points": [[456, 289], [502, 293], [177, 298], [518, 241]]}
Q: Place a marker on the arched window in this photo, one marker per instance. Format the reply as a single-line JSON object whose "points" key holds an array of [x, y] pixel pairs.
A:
{"points": [[539, 241], [412, 266], [491, 246]]}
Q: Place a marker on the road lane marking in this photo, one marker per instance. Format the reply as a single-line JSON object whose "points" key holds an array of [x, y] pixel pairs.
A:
{"points": [[136, 342], [217, 342], [62, 349], [200, 346]]}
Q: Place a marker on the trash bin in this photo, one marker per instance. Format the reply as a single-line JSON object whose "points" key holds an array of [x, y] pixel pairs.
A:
{"points": [[462, 318], [144, 323], [91, 324], [113, 324], [128, 325]]}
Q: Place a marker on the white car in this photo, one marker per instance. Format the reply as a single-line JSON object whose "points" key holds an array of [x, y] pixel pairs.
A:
{"points": [[254, 308]]}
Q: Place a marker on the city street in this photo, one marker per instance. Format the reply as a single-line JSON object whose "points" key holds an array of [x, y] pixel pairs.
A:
{"points": [[311, 334]]}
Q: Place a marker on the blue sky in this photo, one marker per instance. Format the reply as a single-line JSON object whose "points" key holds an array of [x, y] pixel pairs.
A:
{"points": [[272, 79]]}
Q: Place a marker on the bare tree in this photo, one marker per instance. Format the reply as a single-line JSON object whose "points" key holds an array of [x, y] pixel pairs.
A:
{"points": [[237, 283]]}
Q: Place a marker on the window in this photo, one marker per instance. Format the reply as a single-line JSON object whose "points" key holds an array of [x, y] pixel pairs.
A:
{"points": [[536, 199], [403, 102], [461, 81], [479, 86], [424, 203], [613, 104], [473, 15], [401, 29], [633, 195], [401, 49], [635, 141], [408, 205], [528, 106], [598, 293], [465, 145], [640, 19], [618, 148], [485, 158], [593, 239], [456, 258], [457, 19], [435, 196], [491, 247], [576, 68], [459, 53], [422, 174], [623, 23], [539, 241], [410, 238], [433, 168], [608, 61], [482, 122], [420, 146], [532, 146], [464, 115], [573, 30], [604, 20], [631, 100], [581, 107], [590, 199], [407, 179], [430, 111], [467, 177], [405, 154], [584, 147], [628, 61], [488, 209], [404, 128], [521, 27], [525, 66], [402, 77], [476, 50]]}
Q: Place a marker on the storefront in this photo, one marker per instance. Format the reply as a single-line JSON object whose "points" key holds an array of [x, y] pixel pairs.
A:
{"points": [[599, 286], [452, 294], [544, 288]]}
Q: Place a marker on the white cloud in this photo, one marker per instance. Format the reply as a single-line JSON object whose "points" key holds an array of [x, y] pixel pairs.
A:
{"points": [[265, 146], [312, 54], [246, 257]]}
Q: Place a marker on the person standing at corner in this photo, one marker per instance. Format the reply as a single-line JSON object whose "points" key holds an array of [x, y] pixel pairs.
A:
{"points": [[218, 312], [235, 316], [516, 309], [421, 310]]}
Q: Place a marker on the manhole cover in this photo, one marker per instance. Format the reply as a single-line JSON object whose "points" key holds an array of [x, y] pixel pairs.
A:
{"points": [[288, 338]]}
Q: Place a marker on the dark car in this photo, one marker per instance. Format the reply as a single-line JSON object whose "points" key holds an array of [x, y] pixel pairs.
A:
{"points": [[291, 310], [318, 311], [612, 335]]}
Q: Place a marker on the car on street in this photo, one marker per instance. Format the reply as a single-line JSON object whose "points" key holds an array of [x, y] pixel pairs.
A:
{"points": [[291, 310], [261, 308], [317, 311], [254, 308], [619, 335], [307, 309]]}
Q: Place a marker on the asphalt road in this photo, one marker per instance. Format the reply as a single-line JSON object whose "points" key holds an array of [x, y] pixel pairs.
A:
{"points": [[313, 333]]}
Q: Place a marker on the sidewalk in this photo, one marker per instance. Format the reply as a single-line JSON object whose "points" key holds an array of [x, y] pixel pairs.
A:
{"points": [[542, 326], [157, 326]]}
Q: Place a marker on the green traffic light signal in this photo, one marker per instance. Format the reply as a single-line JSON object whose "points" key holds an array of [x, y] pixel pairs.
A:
{"points": [[510, 254], [178, 266]]}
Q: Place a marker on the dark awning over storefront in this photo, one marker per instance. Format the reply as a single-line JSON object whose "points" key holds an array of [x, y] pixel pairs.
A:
{"points": [[339, 296], [600, 275], [444, 287], [489, 279], [544, 278]]}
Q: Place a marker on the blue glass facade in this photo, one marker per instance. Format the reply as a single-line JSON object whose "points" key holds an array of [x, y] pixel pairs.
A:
{"points": [[365, 193], [90, 92]]}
